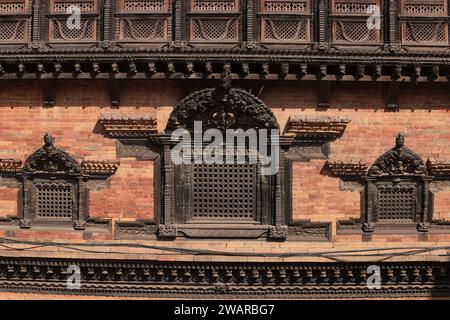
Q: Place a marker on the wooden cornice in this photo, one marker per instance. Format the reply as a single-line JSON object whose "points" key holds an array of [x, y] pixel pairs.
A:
{"points": [[99, 167], [347, 168], [10, 166], [321, 128], [439, 168], [118, 125]]}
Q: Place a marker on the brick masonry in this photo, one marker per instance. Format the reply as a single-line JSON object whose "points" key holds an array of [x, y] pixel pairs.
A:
{"points": [[423, 119]]}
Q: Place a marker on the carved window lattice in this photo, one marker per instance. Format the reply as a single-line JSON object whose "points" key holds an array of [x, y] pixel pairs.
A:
{"points": [[59, 30], [354, 32], [214, 30], [418, 29], [214, 5], [292, 6], [62, 31], [352, 7], [143, 5], [429, 7], [425, 32], [214, 20], [12, 7], [14, 27], [223, 192], [13, 30], [144, 20], [293, 26], [396, 203], [349, 22], [54, 201], [145, 29]]}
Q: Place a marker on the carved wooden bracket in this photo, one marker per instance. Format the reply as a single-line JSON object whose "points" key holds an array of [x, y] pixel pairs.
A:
{"points": [[322, 129], [121, 126]]}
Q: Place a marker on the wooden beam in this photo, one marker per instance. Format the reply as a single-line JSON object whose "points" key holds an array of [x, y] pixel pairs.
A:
{"points": [[392, 97], [114, 91], [48, 93], [324, 94]]}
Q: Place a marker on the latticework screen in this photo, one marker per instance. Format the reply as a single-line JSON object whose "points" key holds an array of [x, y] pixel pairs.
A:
{"points": [[223, 192], [14, 29], [214, 20], [62, 29], [349, 23], [285, 20], [396, 203], [418, 29], [143, 20], [54, 201]]}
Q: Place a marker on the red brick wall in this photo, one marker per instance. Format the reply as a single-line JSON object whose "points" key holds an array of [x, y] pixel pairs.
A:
{"points": [[315, 196]]}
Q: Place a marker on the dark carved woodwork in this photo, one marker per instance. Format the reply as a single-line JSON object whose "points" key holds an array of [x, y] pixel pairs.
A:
{"points": [[129, 126], [144, 278], [242, 109], [318, 129], [397, 194], [53, 186]]}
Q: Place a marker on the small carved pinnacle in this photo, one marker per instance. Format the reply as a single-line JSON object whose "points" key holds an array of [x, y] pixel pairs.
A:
{"points": [[400, 140], [48, 140]]}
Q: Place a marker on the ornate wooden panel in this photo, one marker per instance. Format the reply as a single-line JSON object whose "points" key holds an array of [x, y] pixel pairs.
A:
{"points": [[424, 23], [285, 21], [54, 200], [214, 21], [15, 21], [396, 202], [59, 28], [349, 22], [223, 192], [143, 20]]}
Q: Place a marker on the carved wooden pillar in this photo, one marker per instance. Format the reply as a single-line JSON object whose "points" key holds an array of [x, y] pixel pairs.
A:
{"points": [[322, 15], [80, 222], [370, 191], [393, 11], [180, 19], [168, 186], [107, 18], [35, 29], [251, 20], [25, 219]]}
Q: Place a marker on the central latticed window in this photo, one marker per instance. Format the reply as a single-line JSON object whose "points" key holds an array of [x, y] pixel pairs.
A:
{"points": [[223, 192], [396, 203], [54, 201]]}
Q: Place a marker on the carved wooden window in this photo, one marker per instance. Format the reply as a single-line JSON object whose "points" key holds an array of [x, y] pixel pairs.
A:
{"points": [[214, 20], [63, 30], [424, 22], [54, 200], [15, 19], [285, 20], [144, 20], [223, 193], [349, 22], [397, 190]]}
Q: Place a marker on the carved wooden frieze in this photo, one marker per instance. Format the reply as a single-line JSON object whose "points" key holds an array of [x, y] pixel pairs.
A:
{"points": [[322, 128], [127, 126], [181, 279]]}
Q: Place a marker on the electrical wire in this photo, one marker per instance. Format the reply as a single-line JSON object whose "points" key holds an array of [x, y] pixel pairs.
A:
{"points": [[338, 256]]}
